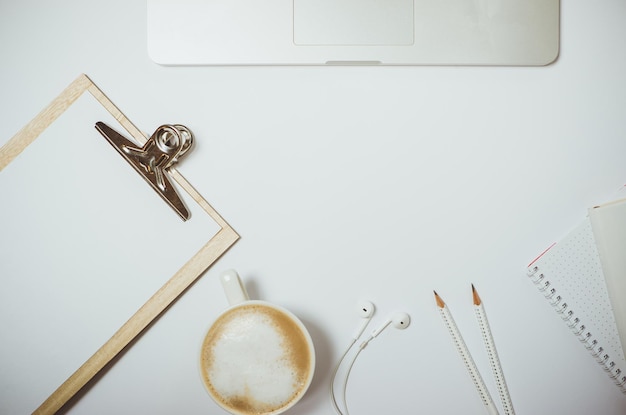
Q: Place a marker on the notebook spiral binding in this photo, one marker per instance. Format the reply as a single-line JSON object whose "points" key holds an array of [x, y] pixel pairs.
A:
{"points": [[577, 327]]}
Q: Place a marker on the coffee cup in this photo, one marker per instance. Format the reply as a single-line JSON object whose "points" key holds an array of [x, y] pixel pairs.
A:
{"points": [[257, 357]]}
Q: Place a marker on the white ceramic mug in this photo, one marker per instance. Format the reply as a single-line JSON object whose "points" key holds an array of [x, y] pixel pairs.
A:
{"points": [[257, 357]]}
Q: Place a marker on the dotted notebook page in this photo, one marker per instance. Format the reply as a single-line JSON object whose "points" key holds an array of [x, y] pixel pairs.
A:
{"points": [[609, 230], [571, 270]]}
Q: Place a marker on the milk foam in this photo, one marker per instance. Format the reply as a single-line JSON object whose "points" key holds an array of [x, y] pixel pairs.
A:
{"points": [[249, 360], [256, 360]]}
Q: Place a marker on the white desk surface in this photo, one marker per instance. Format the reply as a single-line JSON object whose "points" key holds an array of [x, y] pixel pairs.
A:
{"points": [[351, 183]]}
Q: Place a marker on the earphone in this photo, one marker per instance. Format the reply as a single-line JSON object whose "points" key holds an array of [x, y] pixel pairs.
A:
{"points": [[365, 310], [398, 320]]}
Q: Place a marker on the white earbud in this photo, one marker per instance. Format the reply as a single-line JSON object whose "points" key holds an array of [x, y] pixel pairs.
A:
{"points": [[365, 311], [398, 320]]}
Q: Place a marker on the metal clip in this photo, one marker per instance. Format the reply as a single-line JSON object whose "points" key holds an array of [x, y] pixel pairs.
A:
{"points": [[162, 150]]}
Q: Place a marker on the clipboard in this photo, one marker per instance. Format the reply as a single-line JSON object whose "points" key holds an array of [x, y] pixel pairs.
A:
{"points": [[85, 244]]}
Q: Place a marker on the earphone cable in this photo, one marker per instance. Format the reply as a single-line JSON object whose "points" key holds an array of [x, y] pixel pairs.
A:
{"points": [[345, 383], [332, 381]]}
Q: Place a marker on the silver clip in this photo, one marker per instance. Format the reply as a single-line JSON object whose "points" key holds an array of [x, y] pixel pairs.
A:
{"points": [[162, 150]]}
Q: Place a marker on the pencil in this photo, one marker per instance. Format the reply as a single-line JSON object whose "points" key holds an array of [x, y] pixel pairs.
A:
{"points": [[466, 356], [490, 345]]}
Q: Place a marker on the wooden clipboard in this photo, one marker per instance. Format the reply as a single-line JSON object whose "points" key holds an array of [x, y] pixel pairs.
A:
{"points": [[138, 223]]}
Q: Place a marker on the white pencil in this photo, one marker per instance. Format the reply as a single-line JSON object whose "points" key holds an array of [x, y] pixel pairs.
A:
{"points": [[493, 354], [466, 356]]}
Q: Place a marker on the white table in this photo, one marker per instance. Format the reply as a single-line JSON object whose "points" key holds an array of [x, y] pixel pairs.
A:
{"points": [[351, 183]]}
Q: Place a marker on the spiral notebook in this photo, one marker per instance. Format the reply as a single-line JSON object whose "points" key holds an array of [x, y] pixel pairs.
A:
{"points": [[584, 278]]}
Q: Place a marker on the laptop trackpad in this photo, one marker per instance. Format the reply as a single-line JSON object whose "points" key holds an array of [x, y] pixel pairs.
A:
{"points": [[353, 22]]}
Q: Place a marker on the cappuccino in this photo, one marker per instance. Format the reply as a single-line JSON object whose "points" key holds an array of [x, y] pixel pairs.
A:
{"points": [[257, 359]]}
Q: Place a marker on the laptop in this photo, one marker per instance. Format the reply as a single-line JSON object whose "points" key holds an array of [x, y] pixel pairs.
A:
{"points": [[353, 32]]}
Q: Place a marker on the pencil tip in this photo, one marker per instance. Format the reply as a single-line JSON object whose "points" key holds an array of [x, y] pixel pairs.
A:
{"points": [[439, 301], [475, 296]]}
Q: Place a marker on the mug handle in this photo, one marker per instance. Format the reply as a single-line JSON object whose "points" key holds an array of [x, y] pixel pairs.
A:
{"points": [[233, 288]]}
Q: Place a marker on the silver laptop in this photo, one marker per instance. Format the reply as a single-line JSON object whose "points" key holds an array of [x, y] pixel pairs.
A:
{"points": [[353, 32]]}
